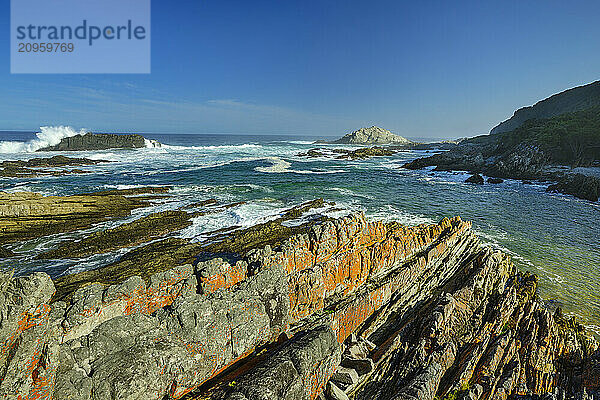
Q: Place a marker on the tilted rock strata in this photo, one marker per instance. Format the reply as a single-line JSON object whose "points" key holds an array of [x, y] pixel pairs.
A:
{"points": [[168, 253], [129, 234], [436, 305]]}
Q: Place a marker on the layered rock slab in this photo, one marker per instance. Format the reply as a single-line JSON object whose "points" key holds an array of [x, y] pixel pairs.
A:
{"points": [[446, 317]]}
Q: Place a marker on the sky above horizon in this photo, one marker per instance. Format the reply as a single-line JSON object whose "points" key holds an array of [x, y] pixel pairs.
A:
{"points": [[429, 69]]}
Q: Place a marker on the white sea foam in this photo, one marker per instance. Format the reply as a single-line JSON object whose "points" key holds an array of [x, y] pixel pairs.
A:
{"points": [[48, 136], [300, 142], [280, 166], [225, 147], [390, 213], [152, 143]]}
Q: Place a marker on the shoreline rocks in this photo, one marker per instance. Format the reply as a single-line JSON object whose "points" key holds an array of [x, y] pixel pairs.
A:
{"points": [[527, 164], [476, 179], [579, 185], [416, 312]]}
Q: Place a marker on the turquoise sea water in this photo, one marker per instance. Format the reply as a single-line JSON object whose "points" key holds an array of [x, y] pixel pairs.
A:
{"points": [[552, 235]]}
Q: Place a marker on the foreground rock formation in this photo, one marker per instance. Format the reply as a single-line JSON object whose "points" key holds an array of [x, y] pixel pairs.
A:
{"points": [[98, 141], [372, 136], [345, 307]]}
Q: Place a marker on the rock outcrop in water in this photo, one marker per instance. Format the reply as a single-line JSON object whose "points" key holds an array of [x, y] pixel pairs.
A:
{"points": [[44, 166], [343, 154], [98, 141], [582, 186], [351, 307], [372, 136]]}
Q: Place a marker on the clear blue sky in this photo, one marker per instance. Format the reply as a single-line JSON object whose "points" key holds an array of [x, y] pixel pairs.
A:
{"points": [[419, 68]]}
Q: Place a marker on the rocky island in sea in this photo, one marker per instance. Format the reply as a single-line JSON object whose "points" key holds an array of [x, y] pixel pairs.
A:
{"points": [[98, 141], [372, 136]]}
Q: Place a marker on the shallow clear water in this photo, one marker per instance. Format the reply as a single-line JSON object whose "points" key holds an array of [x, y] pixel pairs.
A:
{"points": [[552, 235]]}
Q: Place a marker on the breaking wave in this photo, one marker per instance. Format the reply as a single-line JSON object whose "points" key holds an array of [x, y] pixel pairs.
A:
{"points": [[48, 136]]}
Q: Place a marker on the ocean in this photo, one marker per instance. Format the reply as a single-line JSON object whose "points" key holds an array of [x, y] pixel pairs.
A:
{"points": [[552, 235]]}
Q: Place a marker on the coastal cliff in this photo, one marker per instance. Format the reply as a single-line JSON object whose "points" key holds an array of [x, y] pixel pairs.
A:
{"points": [[338, 308], [571, 100]]}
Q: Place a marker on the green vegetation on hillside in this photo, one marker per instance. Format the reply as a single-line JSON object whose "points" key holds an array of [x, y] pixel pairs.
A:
{"points": [[571, 138]]}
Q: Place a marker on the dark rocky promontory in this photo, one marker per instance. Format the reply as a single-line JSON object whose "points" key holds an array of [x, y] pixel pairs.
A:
{"points": [[98, 141], [545, 149]]}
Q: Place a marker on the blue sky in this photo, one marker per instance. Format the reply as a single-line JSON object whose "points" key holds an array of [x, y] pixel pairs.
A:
{"points": [[418, 68]]}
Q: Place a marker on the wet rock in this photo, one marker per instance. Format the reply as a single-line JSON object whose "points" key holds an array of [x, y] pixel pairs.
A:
{"points": [[495, 180], [343, 154], [144, 261], [271, 233], [476, 178], [6, 253], [579, 185], [142, 230], [44, 166]]}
